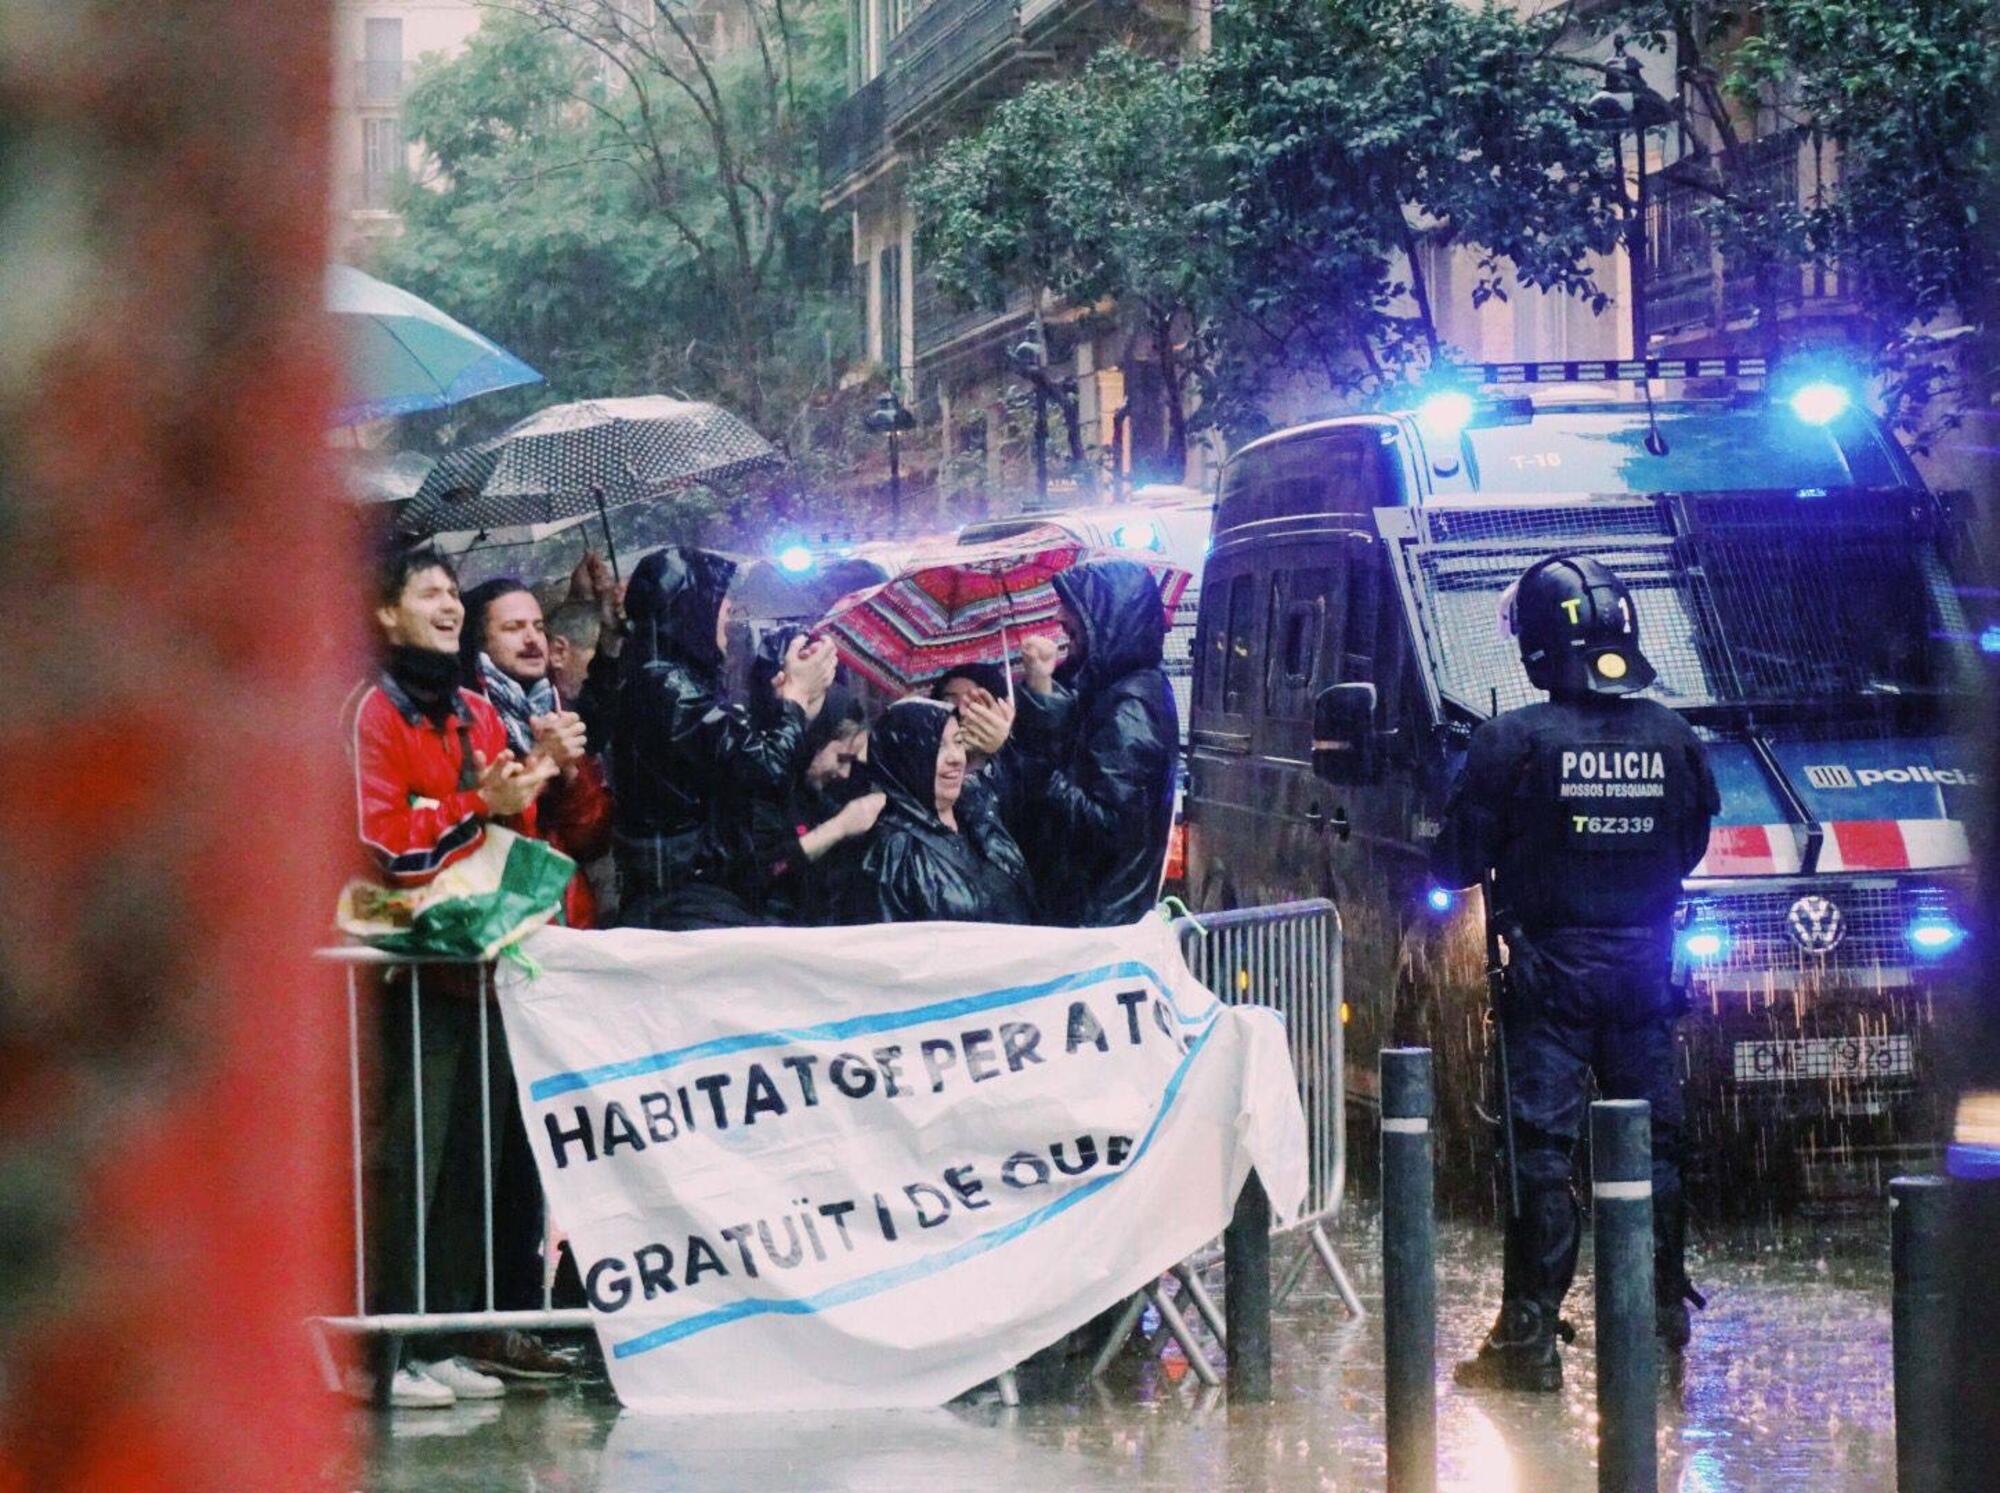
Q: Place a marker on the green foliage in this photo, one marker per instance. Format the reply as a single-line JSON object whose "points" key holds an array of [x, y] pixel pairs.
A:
{"points": [[631, 215], [1896, 99], [1085, 188], [1905, 95], [1354, 131], [1259, 212]]}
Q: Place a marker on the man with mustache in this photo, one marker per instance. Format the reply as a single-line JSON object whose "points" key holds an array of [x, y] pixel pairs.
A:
{"points": [[505, 656]]}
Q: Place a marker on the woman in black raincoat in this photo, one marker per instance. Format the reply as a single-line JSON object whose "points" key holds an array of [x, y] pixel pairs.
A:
{"points": [[684, 758], [925, 863], [1099, 741], [798, 841]]}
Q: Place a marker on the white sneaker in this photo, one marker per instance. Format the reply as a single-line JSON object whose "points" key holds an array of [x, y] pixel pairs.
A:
{"points": [[413, 1389], [462, 1379]]}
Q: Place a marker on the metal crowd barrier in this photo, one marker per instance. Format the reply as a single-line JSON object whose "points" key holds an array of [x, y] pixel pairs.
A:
{"points": [[1286, 957], [1289, 957], [422, 1319]]}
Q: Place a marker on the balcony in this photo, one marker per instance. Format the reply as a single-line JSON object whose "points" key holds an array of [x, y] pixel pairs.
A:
{"points": [[379, 84], [949, 49], [943, 322], [1692, 284], [856, 136]]}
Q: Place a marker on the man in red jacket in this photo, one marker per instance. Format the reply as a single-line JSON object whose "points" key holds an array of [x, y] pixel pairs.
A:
{"points": [[433, 768], [432, 762]]}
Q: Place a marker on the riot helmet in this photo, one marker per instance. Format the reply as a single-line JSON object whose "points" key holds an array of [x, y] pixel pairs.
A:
{"points": [[1578, 629]]}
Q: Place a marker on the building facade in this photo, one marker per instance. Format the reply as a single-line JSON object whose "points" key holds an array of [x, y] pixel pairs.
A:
{"points": [[923, 71], [377, 45]]}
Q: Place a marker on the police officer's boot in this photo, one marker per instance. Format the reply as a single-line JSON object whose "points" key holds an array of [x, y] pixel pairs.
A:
{"points": [[1519, 1353], [1672, 1290], [1671, 1321]]}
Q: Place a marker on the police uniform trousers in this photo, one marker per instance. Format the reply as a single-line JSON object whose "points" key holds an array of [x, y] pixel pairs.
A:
{"points": [[1586, 1002]]}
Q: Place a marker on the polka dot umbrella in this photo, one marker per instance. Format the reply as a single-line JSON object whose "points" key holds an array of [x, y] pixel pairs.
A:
{"points": [[970, 604], [582, 458]]}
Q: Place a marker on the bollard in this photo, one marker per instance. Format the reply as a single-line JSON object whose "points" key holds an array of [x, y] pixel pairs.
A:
{"points": [[1246, 1299], [1409, 1270], [1621, 1159], [1922, 1326]]}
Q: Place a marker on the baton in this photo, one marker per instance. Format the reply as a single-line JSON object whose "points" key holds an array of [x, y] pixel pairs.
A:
{"points": [[1496, 986]]}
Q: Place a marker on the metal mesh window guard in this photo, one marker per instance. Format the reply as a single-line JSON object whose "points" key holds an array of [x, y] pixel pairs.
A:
{"points": [[1743, 599]]}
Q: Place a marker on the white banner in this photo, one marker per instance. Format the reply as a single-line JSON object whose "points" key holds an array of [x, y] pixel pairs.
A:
{"points": [[845, 1167]]}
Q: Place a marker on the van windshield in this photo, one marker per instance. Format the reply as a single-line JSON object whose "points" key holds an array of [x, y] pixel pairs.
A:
{"points": [[1708, 448], [1743, 599]]}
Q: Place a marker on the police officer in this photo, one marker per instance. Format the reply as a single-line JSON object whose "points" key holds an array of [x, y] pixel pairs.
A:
{"points": [[1587, 811]]}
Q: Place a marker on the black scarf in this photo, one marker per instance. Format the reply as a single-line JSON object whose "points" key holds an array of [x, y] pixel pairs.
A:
{"points": [[428, 677]]}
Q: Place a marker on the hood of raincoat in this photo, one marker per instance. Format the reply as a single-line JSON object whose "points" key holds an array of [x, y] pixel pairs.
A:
{"points": [[1124, 620], [902, 756], [989, 677], [671, 605]]}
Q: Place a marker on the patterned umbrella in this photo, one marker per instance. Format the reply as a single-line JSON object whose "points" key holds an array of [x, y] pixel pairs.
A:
{"points": [[582, 458], [968, 605]]}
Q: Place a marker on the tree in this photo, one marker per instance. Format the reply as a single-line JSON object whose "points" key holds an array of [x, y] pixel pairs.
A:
{"points": [[1083, 189], [1893, 98], [633, 207], [1260, 213], [1351, 133]]}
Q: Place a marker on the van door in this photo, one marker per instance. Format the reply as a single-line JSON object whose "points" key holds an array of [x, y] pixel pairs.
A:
{"points": [[1222, 815]]}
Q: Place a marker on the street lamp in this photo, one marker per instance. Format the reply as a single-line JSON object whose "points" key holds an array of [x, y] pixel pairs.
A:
{"points": [[1628, 102], [1030, 360], [891, 417]]}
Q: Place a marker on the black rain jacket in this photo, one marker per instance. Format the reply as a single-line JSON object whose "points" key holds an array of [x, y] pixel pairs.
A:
{"points": [[775, 877], [915, 870], [685, 761], [1589, 813], [1098, 757]]}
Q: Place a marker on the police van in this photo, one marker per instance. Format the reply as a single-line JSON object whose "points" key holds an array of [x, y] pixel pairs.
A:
{"points": [[1794, 582]]}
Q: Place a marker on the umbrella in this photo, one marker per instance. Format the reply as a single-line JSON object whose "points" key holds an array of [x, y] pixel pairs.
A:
{"points": [[404, 355], [766, 591], [972, 604], [572, 459]]}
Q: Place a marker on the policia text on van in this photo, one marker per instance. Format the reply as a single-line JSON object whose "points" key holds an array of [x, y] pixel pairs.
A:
{"points": [[1794, 583]]}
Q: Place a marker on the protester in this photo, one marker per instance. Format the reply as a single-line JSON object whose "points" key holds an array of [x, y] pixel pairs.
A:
{"points": [[925, 861], [574, 630], [1098, 732], [585, 658], [984, 702], [433, 768], [505, 655], [685, 759], [793, 834]]}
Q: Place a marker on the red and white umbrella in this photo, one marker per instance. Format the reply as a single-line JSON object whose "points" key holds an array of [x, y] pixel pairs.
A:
{"points": [[970, 605]]}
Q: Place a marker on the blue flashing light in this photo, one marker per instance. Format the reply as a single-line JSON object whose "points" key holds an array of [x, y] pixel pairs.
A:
{"points": [[1820, 402], [1989, 640], [1137, 534], [1705, 942], [1444, 415], [795, 559], [1439, 899], [1934, 934]]}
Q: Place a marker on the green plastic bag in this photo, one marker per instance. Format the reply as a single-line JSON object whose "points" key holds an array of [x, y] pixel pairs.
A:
{"points": [[478, 908]]}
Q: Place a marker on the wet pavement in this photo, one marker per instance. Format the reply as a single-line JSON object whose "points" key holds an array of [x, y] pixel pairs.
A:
{"points": [[1787, 1387]]}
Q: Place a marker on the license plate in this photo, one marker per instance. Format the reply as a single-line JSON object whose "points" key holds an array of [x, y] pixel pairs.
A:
{"points": [[1809, 1058]]}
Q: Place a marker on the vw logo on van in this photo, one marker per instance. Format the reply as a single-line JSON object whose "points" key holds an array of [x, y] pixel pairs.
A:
{"points": [[1816, 925]]}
